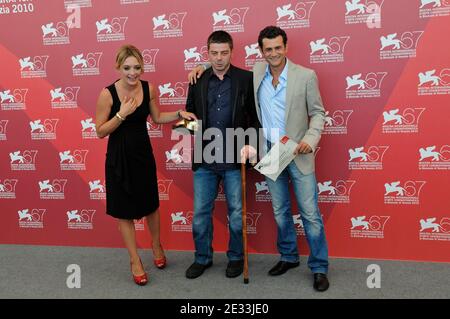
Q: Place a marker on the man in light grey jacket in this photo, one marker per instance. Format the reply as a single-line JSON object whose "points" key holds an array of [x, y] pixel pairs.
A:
{"points": [[288, 99]]}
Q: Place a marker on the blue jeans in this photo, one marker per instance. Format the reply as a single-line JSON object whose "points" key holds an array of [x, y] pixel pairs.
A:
{"points": [[305, 190], [206, 186]]}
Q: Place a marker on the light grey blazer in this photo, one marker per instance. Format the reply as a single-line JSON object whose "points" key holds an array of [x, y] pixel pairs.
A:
{"points": [[305, 114]]}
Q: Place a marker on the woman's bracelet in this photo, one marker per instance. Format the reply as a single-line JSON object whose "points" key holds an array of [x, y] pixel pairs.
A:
{"points": [[120, 117], [179, 113]]}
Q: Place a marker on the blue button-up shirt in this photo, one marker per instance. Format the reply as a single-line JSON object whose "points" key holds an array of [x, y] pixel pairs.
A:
{"points": [[272, 102], [219, 115]]}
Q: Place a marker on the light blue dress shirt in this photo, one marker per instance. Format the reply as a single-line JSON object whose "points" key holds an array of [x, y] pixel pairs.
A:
{"points": [[272, 102]]}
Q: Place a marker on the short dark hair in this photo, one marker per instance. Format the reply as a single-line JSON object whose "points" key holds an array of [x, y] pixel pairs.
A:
{"points": [[220, 36], [271, 32]]}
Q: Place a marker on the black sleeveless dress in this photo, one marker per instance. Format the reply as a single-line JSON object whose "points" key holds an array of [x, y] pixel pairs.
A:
{"points": [[130, 169]]}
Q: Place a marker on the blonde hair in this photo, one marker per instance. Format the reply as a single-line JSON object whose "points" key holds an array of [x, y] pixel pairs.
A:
{"points": [[125, 52]]}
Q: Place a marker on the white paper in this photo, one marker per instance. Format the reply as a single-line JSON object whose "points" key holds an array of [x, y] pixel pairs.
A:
{"points": [[277, 159]]}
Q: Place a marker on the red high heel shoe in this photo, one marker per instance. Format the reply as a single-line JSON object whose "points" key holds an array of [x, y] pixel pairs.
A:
{"points": [[140, 280], [160, 263]]}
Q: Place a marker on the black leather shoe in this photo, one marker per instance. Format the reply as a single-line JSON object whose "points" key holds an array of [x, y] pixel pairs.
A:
{"points": [[196, 270], [321, 282], [281, 267], [234, 268]]}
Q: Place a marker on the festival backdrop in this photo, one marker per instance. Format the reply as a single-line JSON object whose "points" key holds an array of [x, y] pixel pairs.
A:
{"points": [[382, 164]]}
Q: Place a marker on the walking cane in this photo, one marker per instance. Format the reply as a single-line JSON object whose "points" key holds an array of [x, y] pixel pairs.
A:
{"points": [[244, 222]]}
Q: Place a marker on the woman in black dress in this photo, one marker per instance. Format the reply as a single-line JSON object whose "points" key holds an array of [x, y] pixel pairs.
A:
{"points": [[130, 169]]}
